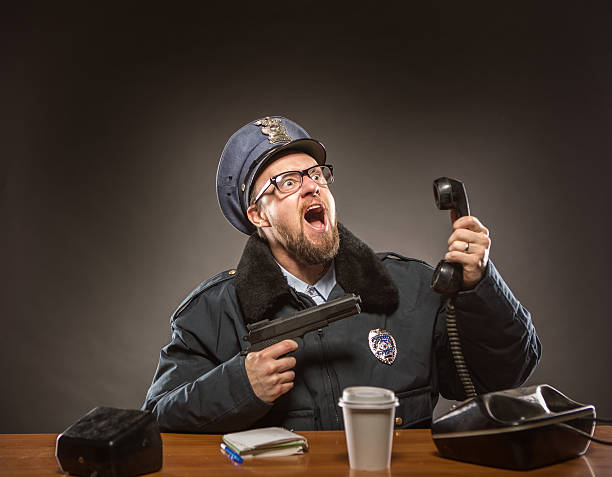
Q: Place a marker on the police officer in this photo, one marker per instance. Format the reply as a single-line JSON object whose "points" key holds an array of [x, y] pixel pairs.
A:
{"points": [[273, 184]]}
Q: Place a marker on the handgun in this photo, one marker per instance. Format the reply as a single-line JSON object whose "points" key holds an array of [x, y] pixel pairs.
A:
{"points": [[265, 333]]}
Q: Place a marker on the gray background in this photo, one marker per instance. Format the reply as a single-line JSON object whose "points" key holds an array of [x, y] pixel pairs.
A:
{"points": [[113, 119]]}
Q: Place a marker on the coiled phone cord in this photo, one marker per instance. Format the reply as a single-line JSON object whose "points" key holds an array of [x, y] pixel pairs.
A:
{"points": [[456, 351]]}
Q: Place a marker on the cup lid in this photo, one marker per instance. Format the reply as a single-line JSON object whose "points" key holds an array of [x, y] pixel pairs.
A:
{"points": [[367, 395]]}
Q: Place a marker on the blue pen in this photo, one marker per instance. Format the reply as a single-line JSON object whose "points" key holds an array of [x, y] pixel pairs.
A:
{"points": [[231, 454]]}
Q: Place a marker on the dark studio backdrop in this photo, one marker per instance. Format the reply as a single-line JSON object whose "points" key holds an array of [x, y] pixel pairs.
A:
{"points": [[113, 120]]}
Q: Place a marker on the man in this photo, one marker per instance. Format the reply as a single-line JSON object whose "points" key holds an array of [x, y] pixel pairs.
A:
{"points": [[273, 184]]}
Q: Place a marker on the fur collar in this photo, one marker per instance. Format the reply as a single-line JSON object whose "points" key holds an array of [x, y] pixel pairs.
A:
{"points": [[263, 290]]}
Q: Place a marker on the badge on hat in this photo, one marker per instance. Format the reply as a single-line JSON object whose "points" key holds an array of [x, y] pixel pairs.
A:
{"points": [[382, 345], [274, 129]]}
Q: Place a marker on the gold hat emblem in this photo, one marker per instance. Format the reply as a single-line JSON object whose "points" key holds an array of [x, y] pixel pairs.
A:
{"points": [[273, 128]]}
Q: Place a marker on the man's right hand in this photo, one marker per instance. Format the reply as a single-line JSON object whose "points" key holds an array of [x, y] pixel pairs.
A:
{"points": [[269, 375]]}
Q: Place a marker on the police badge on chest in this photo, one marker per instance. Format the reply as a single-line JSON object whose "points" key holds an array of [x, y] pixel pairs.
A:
{"points": [[382, 345]]}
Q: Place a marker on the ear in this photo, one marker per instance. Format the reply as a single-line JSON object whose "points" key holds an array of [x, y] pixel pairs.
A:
{"points": [[257, 216]]}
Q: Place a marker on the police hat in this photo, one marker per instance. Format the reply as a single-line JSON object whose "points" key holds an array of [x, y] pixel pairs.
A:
{"points": [[248, 152]]}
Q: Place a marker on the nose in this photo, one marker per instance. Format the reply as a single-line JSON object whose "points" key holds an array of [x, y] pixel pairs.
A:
{"points": [[309, 186]]}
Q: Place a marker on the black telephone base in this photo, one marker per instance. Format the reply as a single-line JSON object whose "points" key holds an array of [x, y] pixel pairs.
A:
{"points": [[515, 429]]}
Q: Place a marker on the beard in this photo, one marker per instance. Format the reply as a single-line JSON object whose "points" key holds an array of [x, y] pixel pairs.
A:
{"points": [[306, 251]]}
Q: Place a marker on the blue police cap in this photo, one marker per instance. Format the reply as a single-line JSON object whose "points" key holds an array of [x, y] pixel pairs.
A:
{"points": [[248, 152]]}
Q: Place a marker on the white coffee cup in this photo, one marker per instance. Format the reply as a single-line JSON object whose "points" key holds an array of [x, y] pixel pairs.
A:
{"points": [[369, 414]]}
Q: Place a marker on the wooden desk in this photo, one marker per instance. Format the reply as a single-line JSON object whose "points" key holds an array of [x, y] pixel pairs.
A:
{"points": [[192, 455]]}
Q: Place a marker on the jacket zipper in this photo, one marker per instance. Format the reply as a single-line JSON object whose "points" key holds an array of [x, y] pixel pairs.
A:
{"points": [[331, 385], [300, 299]]}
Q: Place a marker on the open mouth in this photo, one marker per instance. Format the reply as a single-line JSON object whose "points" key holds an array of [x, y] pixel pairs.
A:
{"points": [[316, 218]]}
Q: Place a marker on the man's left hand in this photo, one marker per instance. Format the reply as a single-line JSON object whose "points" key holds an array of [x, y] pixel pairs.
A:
{"points": [[469, 245]]}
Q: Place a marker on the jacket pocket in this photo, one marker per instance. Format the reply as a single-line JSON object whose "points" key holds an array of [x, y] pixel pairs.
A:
{"points": [[415, 408], [295, 419], [300, 420]]}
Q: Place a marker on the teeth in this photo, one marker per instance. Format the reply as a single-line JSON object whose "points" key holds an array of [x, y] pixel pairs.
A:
{"points": [[313, 207]]}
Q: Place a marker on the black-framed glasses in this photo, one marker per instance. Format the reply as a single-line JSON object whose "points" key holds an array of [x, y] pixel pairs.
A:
{"points": [[290, 181]]}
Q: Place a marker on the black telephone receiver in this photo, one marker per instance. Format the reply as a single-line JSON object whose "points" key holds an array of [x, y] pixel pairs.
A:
{"points": [[448, 276], [449, 194]]}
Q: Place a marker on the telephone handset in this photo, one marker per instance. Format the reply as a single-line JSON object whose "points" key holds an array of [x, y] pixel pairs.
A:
{"points": [[448, 276], [449, 194]]}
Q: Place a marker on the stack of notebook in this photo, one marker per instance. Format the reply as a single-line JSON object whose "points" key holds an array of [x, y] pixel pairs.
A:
{"points": [[266, 442]]}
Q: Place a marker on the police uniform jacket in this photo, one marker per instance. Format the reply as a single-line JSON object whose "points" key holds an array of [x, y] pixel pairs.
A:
{"points": [[201, 384]]}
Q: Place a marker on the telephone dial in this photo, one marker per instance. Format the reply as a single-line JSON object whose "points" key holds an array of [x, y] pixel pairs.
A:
{"points": [[520, 428]]}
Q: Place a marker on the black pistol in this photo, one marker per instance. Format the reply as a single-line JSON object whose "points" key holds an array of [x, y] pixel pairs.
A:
{"points": [[265, 333]]}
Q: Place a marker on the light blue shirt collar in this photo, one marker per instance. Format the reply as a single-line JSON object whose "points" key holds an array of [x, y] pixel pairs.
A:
{"points": [[320, 291]]}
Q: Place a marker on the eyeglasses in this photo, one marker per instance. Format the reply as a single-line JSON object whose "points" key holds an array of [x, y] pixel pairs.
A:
{"points": [[290, 181]]}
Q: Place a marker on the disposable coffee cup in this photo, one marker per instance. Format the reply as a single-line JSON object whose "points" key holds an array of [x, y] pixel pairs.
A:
{"points": [[369, 414]]}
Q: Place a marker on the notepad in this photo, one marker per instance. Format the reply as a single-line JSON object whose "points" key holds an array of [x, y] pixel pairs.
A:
{"points": [[266, 442]]}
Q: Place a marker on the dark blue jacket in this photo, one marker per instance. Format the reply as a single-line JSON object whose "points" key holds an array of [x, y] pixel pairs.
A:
{"points": [[201, 383]]}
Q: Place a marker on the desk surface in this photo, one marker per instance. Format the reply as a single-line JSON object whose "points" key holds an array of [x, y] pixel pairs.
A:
{"points": [[191, 455]]}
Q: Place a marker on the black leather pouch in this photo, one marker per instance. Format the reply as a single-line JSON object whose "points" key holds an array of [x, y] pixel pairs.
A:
{"points": [[519, 428], [109, 442]]}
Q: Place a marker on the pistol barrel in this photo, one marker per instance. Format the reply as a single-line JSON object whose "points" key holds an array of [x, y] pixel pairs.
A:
{"points": [[267, 332]]}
